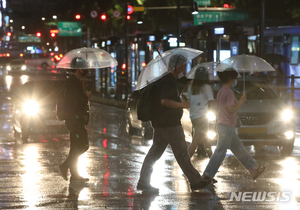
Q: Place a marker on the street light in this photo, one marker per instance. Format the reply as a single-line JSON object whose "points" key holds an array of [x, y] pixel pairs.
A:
{"points": [[194, 8]]}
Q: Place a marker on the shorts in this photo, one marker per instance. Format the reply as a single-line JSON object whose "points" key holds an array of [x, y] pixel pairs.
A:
{"points": [[200, 124]]}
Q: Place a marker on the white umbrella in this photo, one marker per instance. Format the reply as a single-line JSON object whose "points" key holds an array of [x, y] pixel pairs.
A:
{"points": [[93, 58], [245, 63], [209, 66], [158, 67]]}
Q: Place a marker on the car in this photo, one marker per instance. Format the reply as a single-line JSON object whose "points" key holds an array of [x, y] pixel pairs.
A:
{"points": [[17, 66], [266, 118], [39, 61], [34, 109]]}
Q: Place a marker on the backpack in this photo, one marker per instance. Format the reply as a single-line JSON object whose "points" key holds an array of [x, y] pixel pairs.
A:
{"points": [[148, 103], [61, 105]]}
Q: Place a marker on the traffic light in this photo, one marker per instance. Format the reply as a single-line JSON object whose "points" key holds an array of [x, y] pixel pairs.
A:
{"points": [[103, 17], [77, 16], [128, 17], [53, 35], [38, 34], [8, 33]]}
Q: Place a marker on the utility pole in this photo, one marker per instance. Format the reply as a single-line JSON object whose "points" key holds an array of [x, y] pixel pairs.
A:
{"points": [[262, 27], [2, 25], [178, 23]]}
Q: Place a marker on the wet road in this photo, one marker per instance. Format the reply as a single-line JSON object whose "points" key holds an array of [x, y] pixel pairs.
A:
{"points": [[29, 179]]}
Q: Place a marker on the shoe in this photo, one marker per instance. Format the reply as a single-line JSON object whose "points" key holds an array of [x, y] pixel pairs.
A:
{"points": [[78, 179], [259, 171], [147, 188], [204, 183], [208, 178], [63, 172]]}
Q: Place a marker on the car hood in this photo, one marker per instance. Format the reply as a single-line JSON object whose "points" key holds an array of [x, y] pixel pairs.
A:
{"points": [[262, 106]]}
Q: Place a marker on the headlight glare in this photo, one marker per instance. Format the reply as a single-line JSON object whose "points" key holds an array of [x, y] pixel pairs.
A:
{"points": [[287, 115], [289, 134], [211, 134], [31, 107], [211, 116], [23, 67], [8, 68]]}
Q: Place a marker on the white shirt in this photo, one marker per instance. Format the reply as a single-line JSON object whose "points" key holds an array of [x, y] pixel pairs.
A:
{"points": [[199, 102]]}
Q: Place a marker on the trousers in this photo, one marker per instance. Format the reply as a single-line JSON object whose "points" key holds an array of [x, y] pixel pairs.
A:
{"points": [[175, 137], [228, 139], [79, 144]]}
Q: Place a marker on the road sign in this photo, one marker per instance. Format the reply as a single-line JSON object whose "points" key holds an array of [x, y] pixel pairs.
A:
{"points": [[116, 14], [129, 9], [207, 17], [139, 9], [203, 2], [69, 29], [94, 14]]}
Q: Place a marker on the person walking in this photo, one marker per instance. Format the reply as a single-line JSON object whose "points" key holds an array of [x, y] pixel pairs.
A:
{"points": [[76, 101], [201, 98], [227, 107], [168, 129]]}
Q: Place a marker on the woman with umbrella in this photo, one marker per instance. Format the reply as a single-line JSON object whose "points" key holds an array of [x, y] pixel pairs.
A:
{"points": [[226, 123], [201, 97]]}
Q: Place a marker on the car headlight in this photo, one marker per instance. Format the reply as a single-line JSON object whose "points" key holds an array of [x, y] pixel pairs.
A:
{"points": [[23, 67], [8, 68], [31, 107], [211, 116], [287, 115], [211, 134]]}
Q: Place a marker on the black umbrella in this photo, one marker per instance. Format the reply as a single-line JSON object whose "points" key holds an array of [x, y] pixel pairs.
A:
{"points": [[275, 58]]}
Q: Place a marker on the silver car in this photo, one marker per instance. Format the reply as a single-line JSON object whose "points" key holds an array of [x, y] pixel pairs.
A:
{"points": [[17, 66], [266, 118]]}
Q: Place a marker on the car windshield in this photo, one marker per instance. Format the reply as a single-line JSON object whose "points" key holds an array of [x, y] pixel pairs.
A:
{"points": [[17, 62], [255, 90]]}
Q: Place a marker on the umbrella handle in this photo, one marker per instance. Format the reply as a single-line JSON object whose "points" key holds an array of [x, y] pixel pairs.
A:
{"points": [[244, 83], [162, 58]]}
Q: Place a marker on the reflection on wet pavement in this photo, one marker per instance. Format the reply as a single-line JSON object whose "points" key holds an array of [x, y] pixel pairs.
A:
{"points": [[29, 178]]}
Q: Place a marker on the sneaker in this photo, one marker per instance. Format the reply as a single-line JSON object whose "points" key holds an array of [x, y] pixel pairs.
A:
{"points": [[63, 172], [78, 179], [201, 185], [146, 188]]}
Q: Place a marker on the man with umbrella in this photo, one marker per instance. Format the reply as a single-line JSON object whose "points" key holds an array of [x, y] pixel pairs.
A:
{"points": [[76, 120], [168, 129]]}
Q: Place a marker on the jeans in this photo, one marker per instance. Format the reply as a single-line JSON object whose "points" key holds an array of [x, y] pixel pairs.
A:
{"points": [[228, 139], [78, 145], [175, 137]]}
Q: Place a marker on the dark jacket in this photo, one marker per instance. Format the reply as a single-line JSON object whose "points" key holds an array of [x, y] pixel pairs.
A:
{"points": [[76, 101], [165, 116]]}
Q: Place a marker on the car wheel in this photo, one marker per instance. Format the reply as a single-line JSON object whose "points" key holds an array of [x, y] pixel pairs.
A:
{"points": [[200, 150], [287, 148], [44, 66], [129, 128]]}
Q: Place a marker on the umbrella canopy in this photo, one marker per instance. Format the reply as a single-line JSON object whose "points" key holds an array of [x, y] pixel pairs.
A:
{"points": [[209, 66], [90, 58], [245, 63], [161, 65], [276, 58]]}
